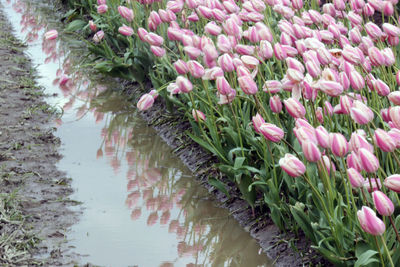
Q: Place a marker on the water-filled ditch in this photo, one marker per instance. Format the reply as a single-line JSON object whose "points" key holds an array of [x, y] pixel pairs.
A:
{"points": [[140, 205]]}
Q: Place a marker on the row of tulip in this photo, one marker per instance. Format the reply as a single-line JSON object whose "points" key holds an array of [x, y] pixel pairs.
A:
{"points": [[298, 101]]}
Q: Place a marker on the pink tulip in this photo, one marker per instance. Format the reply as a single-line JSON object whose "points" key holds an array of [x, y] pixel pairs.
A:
{"points": [[92, 26], [328, 164], [142, 34], [384, 141], [272, 86], [212, 28], [382, 203], [195, 68], [101, 9], [339, 145], [275, 104], [198, 115], [395, 134], [184, 84], [355, 178], [293, 63], [388, 8], [257, 122], [361, 113], [224, 44], [369, 222], [157, 51], [126, 13], [294, 108], [373, 30], [331, 88], [292, 165], [381, 87], [351, 54], [154, 39], [394, 113], [51, 35], [279, 51], [248, 85], [393, 182], [356, 80], [125, 30], [390, 29], [98, 36], [358, 141], [376, 56], [311, 151], [353, 161], [294, 75], [322, 136], [369, 161], [181, 67], [192, 52], [271, 132], [145, 102], [223, 86], [304, 134]]}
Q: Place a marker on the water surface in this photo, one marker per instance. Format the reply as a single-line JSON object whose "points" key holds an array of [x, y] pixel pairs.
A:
{"points": [[141, 206]]}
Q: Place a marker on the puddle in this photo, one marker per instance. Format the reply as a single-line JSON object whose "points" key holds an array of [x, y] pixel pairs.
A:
{"points": [[141, 206]]}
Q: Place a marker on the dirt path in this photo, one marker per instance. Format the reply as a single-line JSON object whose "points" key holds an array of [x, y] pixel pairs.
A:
{"points": [[34, 196]]}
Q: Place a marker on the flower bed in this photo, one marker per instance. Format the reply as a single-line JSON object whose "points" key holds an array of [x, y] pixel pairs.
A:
{"points": [[300, 105]]}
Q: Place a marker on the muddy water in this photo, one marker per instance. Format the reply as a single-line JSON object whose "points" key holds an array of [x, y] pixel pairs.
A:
{"points": [[141, 207]]}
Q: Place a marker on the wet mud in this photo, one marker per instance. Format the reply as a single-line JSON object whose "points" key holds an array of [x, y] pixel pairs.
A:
{"points": [[35, 208]]}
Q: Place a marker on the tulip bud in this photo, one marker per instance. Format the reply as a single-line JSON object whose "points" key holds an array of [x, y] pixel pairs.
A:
{"points": [[384, 141], [275, 104], [361, 113], [258, 120], [382, 203], [92, 26], [355, 178], [394, 113], [157, 51], [181, 67], [184, 85], [292, 165], [322, 136], [248, 85], [279, 51], [381, 87], [339, 144], [271, 132], [51, 35], [357, 80], [311, 151], [145, 102], [393, 182], [101, 9], [294, 108], [369, 161], [369, 222], [126, 13], [198, 115], [195, 68], [125, 30], [98, 36], [331, 88]]}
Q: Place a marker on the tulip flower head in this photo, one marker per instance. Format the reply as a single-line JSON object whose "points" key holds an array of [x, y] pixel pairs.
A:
{"points": [[369, 222], [292, 165]]}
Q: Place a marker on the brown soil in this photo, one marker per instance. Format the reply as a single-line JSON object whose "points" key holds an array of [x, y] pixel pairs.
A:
{"points": [[34, 196]]}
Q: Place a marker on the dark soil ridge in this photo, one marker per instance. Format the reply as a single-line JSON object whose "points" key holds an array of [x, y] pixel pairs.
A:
{"points": [[280, 247], [35, 207]]}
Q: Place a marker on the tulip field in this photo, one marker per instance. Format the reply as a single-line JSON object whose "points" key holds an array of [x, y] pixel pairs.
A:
{"points": [[298, 100]]}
